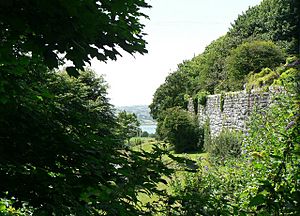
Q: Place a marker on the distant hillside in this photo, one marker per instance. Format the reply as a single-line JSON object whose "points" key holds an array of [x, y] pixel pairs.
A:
{"points": [[142, 112]]}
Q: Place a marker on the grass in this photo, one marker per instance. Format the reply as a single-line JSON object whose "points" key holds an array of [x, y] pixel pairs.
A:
{"points": [[138, 142], [200, 157]]}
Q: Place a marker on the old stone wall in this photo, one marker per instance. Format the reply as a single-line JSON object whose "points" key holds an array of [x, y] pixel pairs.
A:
{"points": [[231, 110]]}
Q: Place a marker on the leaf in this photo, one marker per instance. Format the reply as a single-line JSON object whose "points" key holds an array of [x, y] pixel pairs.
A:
{"points": [[39, 98], [50, 59], [72, 71], [257, 200]]}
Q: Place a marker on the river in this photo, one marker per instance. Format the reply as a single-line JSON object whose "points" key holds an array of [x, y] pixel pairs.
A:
{"points": [[149, 128]]}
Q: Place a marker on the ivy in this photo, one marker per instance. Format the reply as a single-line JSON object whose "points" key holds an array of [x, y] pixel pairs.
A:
{"points": [[222, 100], [202, 97]]}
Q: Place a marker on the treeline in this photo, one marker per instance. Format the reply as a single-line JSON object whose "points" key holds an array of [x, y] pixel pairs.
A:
{"points": [[262, 37]]}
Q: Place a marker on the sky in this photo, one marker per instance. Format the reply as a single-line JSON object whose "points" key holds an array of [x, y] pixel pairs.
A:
{"points": [[177, 31]]}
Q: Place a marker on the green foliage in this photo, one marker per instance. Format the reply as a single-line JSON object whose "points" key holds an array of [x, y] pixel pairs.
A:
{"points": [[206, 135], [281, 76], [6, 208], [273, 20], [128, 125], [76, 30], [180, 128], [291, 59], [262, 79], [202, 97], [287, 77], [145, 134], [227, 143], [251, 57], [136, 141], [171, 93], [222, 101], [264, 180], [210, 66], [270, 27], [60, 152]]}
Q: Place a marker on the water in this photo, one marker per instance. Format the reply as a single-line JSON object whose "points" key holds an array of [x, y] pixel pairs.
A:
{"points": [[149, 128]]}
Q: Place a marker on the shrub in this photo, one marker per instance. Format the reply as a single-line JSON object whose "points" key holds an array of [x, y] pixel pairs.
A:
{"points": [[251, 57], [202, 97], [135, 141], [287, 77], [264, 180], [207, 135], [227, 143], [262, 79], [181, 129], [145, 134]]}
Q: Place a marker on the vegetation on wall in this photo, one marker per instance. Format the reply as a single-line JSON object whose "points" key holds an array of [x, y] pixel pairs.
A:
{"points": [[251, 57], [61, 146], [257, 173], [261, 37], [263, 180]]}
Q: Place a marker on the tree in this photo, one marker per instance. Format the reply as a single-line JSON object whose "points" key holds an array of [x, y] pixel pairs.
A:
{"points": [[60, 152], [77, 31], [145, 134], [46, 141], [59, 149], [128, 125], [274, 20], [181, 129], [171, 93], [252, 57]]}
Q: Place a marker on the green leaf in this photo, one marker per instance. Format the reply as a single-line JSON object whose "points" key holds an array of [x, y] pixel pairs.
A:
{"points": [[72, 71], [257, 200]]}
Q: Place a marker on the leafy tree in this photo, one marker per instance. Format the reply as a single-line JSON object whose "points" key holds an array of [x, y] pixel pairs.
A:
{"points": [[264, 180], [171, 93], [145, 134], [211, 66], [128, 125], [69, 30], [251, 57], [181, 129], [60, 153], [274, 20], [41, 150]]}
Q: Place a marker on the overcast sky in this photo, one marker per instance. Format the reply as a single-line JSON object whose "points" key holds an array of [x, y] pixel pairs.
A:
{"points": [[177, 30]]}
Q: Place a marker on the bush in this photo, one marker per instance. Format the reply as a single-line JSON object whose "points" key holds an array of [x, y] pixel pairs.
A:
{"points": [[134, 141], [202, 97], [251, 57], [264, 180], [181, 129], [145, 134], [262, 79], [227, 143]]}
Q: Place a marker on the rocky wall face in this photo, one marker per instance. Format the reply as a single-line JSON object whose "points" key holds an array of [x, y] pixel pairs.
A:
{"points": [[231, 110]]}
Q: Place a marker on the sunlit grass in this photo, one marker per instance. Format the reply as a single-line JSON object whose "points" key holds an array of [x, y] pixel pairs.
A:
{"points": [[200, 158]]}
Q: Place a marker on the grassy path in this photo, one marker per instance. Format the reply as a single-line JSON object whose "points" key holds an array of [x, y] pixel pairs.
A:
{"points": [[200, 158]]}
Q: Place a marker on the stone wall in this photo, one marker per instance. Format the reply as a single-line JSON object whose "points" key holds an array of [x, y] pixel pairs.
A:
{"points": [[231, 110]]}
